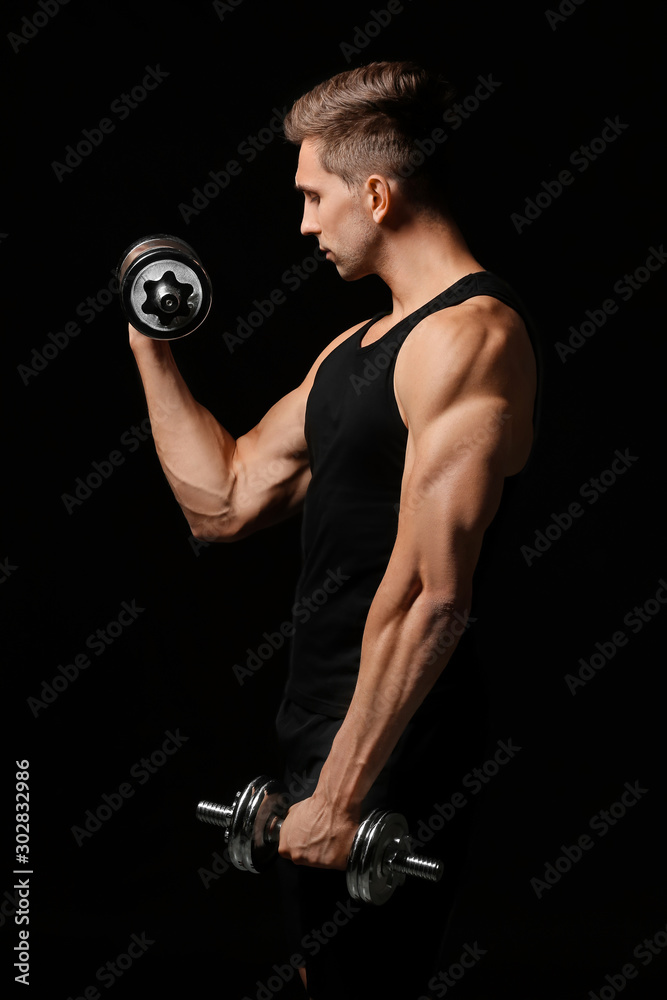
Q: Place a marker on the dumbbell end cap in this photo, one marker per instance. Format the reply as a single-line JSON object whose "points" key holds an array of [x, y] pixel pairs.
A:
{"points": [[143, 266]]}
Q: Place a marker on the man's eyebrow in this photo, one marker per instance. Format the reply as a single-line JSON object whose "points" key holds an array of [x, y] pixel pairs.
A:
{"points": [[303, 188]]}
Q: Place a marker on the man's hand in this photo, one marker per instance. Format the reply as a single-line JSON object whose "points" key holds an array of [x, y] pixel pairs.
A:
{"points": [[136, 338], [315, 834]]}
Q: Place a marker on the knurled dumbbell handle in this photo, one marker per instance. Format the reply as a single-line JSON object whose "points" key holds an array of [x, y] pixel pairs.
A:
{"points": [[418, 867], [219, 815], [214, 813]]}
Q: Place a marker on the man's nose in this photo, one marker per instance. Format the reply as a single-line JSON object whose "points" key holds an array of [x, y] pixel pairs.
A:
{"points": [[309, 224]]}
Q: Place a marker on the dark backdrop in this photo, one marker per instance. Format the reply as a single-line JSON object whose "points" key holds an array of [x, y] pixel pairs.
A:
{"points": [[93, 540]]}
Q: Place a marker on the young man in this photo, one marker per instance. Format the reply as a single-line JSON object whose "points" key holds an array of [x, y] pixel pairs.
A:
{"points": [[395, 447]]}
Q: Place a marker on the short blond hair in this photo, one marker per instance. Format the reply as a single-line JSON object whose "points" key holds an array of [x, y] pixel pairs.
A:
{"points": [[371, 119]]}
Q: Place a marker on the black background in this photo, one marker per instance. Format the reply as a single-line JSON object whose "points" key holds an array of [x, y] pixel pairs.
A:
{"points": [[68, 567]]}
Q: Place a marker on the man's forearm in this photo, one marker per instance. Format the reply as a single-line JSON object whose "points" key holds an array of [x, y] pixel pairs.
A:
{"points": [[403, 654], [194, 450]]}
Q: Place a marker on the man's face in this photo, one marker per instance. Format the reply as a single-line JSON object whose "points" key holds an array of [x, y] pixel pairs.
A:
{"points": [[339, 217]]}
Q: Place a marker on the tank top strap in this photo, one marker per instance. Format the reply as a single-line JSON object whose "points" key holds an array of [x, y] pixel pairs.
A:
{"points": [[476, 283]]}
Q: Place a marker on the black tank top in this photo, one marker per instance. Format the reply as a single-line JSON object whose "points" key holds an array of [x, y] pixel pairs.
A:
{"points": [[356, 443]]}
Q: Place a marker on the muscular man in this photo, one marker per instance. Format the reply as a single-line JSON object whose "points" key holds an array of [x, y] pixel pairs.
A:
{"points": [[395, 447]]}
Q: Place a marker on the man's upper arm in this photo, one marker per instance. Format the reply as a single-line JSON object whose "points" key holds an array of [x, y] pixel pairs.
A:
{"points": [[270, 462], [466, 394]]}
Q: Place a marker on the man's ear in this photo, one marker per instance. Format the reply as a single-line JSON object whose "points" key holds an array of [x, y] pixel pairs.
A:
{"points": [[380, 194]]}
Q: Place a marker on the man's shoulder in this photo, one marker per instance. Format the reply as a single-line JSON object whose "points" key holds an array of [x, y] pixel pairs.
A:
{"points": [[479, 333], [478, 318], [477, 349]]}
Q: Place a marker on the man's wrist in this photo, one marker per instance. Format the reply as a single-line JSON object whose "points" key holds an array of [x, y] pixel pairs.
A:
{"points": [[344, 781]]}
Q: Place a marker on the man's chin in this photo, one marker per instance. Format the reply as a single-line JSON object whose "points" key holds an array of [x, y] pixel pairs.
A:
{"points": [[348, 273]]}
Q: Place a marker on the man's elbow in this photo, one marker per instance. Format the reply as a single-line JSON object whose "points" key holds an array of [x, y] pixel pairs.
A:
{"points": [[443, 617], [215, 529], [444, 607]]}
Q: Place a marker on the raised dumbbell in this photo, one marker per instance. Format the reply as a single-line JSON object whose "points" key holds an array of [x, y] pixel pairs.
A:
{"points": [[379, 860], [165, 293]]}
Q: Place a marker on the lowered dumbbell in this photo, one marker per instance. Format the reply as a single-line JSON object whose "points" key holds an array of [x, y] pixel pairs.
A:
{"points": [[165, 293], [379, 860]]}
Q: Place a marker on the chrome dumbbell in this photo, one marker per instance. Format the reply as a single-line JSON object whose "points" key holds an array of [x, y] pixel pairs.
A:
{"points": [[251, 824], [165, 293], [379, 860]]}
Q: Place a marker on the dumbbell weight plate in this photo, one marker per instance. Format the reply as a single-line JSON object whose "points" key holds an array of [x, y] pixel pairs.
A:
{"points": [[165, 293], [251, 839], [378, 839]]}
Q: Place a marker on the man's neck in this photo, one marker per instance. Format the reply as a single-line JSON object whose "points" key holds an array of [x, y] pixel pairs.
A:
{"points": [[422, 259]]}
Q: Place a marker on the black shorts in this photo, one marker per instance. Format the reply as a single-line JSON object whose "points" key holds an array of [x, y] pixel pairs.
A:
{"points": [[352, 949]]}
